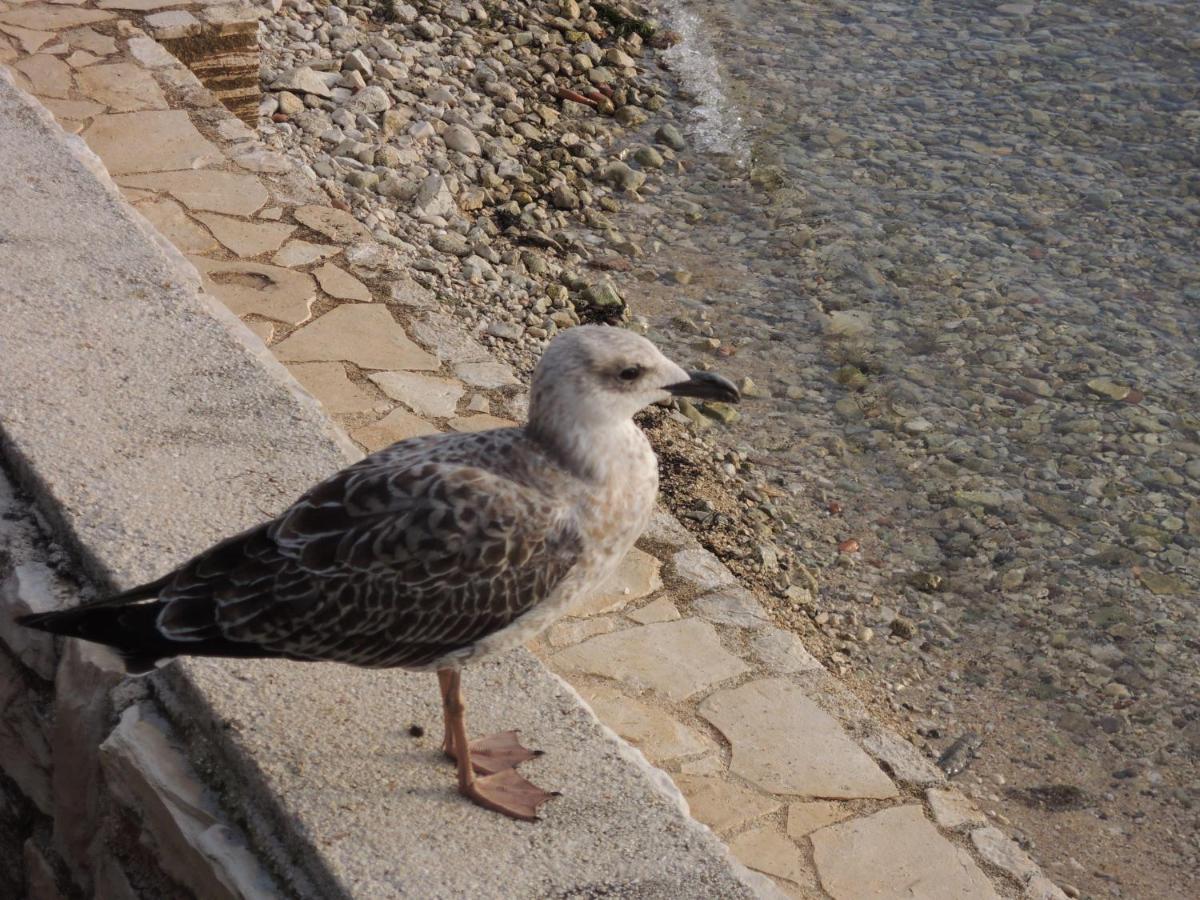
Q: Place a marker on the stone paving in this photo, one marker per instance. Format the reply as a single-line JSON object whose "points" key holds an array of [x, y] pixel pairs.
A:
{"points": [[770, 751]]}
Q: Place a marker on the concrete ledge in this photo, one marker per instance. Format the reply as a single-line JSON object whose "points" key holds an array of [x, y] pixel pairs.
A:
{"points": [[147, 427]]}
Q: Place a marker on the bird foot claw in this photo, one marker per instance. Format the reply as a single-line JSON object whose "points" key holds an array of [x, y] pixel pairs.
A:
{"points": [[496, 753], [508, 793]]}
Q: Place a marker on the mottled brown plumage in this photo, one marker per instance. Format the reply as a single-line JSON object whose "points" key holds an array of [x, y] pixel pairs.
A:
{"points": [[433, 552]]}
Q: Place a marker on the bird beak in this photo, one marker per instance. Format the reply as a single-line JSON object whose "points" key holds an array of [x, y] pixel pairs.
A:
{"points": [[706, 386]]}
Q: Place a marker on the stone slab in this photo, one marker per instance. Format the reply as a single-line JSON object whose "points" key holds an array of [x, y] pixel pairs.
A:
{"points": [[952, 811], [398, 425], [766, 850], [805, 818], [167, 140], [231, 193], [327, 381], [305, 253], [425, 395], [654, 732], [337, 225], [786, 744], [895, 854], [122, 87], [246, 238], [362, 333], [676, 659], [173, 223], [171, 427], [254, 288], [339, 283], [44, 17], [721, 804], [48, 75], [636, 577]]}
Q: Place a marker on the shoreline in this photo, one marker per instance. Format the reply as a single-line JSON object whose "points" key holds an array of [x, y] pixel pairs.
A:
{"points": [[874, 534]]}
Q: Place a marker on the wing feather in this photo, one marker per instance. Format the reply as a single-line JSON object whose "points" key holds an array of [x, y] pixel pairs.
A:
{"points": [[382, 564]]}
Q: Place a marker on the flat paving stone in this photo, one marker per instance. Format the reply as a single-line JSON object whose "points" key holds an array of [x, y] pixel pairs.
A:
{"points": [[172, 222], [734, 605], [676, 659], [91, 40], [487, 374], [398, 425], [246, 238], [952, 811], [786, 744], [480, 422], [249, 287], [426, 395], [721, 804], [905, 762], [661, 610], [142, 5], [895, 854], [30, 40], [48, 75], [700, 568], [150, 53], [1004, 853], [231, 193], [806, 817], [44, 17], [766, 850], [659, 736], [328, 382], [636, 577], [81, 59], [782, 652], [71, 110], [122, 87], [362, 333], [304, 253], [572, 631], [337, 282], [167, 140], [335, 224]]}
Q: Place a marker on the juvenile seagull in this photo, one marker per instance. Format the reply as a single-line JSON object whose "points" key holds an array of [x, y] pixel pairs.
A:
{"points": [[434, 552]]}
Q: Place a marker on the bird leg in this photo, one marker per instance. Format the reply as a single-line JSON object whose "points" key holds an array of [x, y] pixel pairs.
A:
{"points": [[503, 791], [490, 754]]}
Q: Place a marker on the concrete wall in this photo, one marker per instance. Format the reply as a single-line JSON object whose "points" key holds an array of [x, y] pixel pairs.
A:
{"points": [[97, 796]]}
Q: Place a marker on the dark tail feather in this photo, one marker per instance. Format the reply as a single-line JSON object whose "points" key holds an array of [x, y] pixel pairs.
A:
{"points": [[132, 630]]}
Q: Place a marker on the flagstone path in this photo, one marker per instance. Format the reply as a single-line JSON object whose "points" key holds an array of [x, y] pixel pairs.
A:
{"points": [[771, 752]]}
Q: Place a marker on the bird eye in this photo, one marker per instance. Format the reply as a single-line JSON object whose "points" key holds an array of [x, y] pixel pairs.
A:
{"points": [[631, 373]]}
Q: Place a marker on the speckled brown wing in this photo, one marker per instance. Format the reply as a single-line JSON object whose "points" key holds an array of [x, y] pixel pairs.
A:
{"points": [[395, 561]]}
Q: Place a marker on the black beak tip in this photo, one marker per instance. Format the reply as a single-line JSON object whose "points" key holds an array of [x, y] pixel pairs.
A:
{"points": [[706, 386]]}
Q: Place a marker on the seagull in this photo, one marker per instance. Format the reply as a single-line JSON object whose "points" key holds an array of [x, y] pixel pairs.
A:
{"points": [[433, 553]]}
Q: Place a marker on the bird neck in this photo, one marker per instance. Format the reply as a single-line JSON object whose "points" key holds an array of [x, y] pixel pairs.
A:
{"points": [[594, 451]]}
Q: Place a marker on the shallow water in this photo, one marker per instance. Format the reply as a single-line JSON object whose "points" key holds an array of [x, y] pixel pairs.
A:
{"points": [[958, 243]]}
